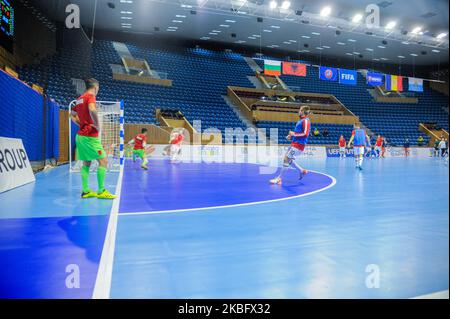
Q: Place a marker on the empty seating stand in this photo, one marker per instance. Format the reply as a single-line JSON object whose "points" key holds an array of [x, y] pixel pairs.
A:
{"points": [[395, 121], [200, 78]]}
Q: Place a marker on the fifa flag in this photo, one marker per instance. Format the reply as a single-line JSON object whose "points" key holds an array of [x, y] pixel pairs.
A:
{"points": [[291, 68], [394, 83], [328, 74], [272, 67], [415, 84], [347, 76]]}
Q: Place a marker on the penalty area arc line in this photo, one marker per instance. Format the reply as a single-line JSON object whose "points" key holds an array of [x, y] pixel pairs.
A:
{"points": [[199, 209]]}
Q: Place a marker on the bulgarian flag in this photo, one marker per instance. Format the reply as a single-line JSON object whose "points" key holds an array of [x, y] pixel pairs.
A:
{"points": [[394, 83], [272, 67]]}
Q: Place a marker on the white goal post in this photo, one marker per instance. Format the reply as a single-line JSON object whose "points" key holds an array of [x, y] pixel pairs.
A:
{"points": [[111, 134]]}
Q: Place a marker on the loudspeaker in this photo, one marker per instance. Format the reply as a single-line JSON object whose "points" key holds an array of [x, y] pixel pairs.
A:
{"points": [[259, 19]]}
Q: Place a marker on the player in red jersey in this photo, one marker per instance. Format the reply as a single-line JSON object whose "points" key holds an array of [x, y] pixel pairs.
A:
{"points": [[88, 146], [174, 149], [299, 140], [379, 145], [342, 144], [141, 149]]}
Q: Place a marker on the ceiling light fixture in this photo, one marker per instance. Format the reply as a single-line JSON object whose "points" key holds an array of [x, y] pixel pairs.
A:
{"points": [[416, 30], [357, 17], [391, 25], [325, 12], [285, 5]]}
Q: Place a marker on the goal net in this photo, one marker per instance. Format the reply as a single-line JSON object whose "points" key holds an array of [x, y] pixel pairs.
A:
{"points": [[111, 133]]}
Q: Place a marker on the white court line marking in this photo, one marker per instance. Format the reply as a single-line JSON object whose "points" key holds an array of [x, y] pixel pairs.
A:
{"points": [[104, 274], [238, 205], [444, 294]]}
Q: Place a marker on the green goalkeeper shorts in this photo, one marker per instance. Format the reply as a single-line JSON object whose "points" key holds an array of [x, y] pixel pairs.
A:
{"points": [[139, 153], [89, 148]]}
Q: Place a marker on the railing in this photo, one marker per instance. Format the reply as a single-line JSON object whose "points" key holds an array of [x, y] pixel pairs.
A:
{"points": [[120, 69]]}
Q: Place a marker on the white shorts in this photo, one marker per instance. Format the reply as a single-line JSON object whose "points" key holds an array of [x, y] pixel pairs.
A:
{"points": [[293, 152], [342, 149], [174, 149], [358, 150], [378, 149]]}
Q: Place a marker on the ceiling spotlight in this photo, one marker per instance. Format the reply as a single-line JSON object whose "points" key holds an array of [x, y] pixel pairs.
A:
{"points": [[441, 35], [358, 17], [416, 30], [285, 5], [273, 4], [391, 25], [325, 12]]}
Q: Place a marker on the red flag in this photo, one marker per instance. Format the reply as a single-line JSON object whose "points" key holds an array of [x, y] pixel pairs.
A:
{"points": [[291, 68], [400, 83]]}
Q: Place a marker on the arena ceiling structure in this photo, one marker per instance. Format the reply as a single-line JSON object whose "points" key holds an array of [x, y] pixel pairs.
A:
{"points": [[409, 31]]}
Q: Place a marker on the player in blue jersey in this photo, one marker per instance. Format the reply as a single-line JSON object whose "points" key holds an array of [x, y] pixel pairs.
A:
{"points": [[299, 139], [359, 139]]}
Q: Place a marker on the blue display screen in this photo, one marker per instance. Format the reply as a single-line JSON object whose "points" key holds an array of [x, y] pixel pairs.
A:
{"points": [[6, 24]]}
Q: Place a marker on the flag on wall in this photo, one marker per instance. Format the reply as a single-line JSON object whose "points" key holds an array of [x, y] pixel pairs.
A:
{"points": [[347, 76], [328, 74], [394, 83], [272, 67], [374, 79], [415, 84], [291, 68]]}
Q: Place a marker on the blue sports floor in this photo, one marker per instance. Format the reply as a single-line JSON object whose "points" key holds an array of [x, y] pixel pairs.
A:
{"points": [[193, 230]]}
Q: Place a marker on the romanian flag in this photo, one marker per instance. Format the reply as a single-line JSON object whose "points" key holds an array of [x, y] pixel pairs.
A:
{"points": [[272, 67], [394, 83], [291, 68]]}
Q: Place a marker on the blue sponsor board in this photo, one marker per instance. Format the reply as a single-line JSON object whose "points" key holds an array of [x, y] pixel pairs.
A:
{"points": [[347, 76], [328, 74], [374, 79], [334, 152]]}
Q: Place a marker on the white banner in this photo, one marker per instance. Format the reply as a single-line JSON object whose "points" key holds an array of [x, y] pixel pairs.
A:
{"points": [[413, 152], [259, 154], [15, 168]]}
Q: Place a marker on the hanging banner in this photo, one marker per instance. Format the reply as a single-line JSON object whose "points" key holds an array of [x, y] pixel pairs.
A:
{"points": [[374, 79], [328, 74], [394, 83], [347, 76], [272, 67], [415, 84], [291, 68]]}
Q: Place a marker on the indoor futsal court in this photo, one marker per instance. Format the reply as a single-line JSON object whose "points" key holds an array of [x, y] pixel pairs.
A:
{"points": [[224, 149]]}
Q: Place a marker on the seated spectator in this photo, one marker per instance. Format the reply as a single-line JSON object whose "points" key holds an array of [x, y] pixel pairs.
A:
{"points": [[420, 140], [316, 132], [325, 132]]}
